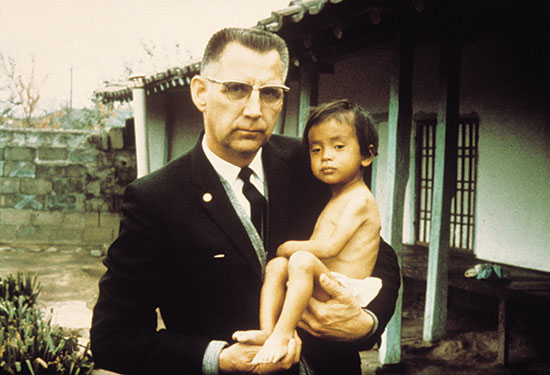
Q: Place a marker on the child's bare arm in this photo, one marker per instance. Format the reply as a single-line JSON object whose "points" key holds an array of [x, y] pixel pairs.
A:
{"points": [[327, 245]]}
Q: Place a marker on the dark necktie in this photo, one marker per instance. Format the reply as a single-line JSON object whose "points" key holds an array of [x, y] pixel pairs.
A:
{"points": [[257, 201]]}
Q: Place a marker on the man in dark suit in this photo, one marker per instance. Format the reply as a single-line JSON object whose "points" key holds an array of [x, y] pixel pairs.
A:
{"points": [[188, 244]]}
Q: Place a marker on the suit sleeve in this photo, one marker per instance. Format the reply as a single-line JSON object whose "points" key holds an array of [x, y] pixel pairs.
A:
{"points": [[383, 306], [124, 336]]}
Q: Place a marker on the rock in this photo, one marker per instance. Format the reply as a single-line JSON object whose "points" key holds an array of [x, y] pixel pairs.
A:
{"points": [[96, 253], [52, 249], [6, 248]]}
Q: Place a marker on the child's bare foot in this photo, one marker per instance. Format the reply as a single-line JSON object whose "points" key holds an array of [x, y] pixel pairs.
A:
{"points": [[252, 337], [273, 350]]}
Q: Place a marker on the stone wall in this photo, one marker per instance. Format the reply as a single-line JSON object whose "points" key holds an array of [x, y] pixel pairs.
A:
{"points": [[63, 187]]}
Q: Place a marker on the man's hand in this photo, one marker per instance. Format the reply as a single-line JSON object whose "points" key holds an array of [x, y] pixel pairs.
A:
{"points": [[338, 319], [238, 357]]}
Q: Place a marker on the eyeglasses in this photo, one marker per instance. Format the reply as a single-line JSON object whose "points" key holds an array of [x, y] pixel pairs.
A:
{"points": [[236, 91]]}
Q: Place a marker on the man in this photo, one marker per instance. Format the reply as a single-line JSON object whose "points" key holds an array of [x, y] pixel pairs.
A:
{"points": [[188, 245]]}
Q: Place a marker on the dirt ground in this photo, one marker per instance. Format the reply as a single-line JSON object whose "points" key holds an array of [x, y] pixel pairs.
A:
{"points": [[69, 277]]}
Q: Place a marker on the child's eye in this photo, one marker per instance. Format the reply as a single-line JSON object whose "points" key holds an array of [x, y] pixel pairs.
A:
{"points": [[315, 150], [339, 147]]}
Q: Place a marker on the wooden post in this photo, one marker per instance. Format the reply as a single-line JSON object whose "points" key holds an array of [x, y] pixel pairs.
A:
{"points": [[435, 313], [399, 140], [503, 335], [309, 92], [139, 105]]}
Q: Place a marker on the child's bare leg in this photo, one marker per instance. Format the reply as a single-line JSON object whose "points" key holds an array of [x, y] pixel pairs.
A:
{"points": [[303, 269], [271, 300]]}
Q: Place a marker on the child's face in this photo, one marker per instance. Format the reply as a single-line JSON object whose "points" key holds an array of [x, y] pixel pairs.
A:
{"points": [[334, 152]]}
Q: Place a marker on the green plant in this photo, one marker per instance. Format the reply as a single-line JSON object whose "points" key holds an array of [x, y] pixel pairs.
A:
{"points": [[29, 344], [20, 285]]}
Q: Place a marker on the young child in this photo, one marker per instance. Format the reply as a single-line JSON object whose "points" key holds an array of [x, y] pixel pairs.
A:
{"points": [[342, 142]]}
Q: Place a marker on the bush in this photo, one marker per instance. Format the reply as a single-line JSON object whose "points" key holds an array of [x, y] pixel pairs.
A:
{"points": [[29, 344]]}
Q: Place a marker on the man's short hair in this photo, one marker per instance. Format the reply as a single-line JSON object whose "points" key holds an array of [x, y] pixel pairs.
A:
{"points": [[347, 112], [255, 39]]}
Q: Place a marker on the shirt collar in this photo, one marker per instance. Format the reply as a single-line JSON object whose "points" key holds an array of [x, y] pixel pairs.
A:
{"points": [[230, 171]]}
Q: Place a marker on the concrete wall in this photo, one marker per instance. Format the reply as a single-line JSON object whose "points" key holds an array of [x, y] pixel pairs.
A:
{"points": [[60, 187]]}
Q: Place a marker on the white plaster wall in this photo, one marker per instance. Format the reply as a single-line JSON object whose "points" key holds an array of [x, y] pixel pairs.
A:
{"points": [[513, 193]]}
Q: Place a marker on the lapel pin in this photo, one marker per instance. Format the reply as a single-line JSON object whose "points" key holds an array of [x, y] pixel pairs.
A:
{"points": [[207, 197]]}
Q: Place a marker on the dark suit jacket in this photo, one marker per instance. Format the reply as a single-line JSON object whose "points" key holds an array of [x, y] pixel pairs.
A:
{"points": [[191, 257]]}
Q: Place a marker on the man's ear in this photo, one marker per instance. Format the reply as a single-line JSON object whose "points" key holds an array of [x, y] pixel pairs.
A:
{"points": [[198, 92], [367, 160]]}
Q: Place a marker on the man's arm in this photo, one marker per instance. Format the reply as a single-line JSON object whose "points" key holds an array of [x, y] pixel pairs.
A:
{"points": [[342, 319]]}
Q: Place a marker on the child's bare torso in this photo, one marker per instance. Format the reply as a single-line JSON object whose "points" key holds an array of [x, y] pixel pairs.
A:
{"points": [[356, 211]]}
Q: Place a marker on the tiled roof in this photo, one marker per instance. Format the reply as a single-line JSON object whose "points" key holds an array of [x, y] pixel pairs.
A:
{"points": [[295, 13]]}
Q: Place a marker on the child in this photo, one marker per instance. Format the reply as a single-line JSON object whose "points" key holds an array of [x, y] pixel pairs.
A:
{"points": [[342, 142]]}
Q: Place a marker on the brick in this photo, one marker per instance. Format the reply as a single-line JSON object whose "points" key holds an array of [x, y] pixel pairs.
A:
{"points": [[22, 169], [98, 235], [9, 185], [53, 153], [15, 217], [48, 218], [37, 186], [19, 153]]}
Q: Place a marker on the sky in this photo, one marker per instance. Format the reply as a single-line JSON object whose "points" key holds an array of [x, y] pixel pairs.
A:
{"points": [[96, 40]]}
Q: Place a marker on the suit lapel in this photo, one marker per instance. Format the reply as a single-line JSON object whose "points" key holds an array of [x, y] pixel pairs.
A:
{"points": [[216, 203]]}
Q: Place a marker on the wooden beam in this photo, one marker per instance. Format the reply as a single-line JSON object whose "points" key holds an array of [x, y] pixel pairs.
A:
{"points": [[399, 140], [435, 313]]}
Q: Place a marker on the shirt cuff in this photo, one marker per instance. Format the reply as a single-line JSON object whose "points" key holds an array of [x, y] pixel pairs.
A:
{"points": [[375, 324], [210, 360]]}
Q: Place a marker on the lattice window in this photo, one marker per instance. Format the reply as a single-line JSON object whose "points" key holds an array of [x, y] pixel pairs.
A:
{"points": [[463, 203]]}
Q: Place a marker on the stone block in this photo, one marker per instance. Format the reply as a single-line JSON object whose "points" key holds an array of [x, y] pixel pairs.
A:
{"points": [[74, 219], [29, 201], [48, 218], [37, 186], [19, 153], [109, 220], [30, 233], [9, 185], [116, 138], [92, 219], [64, 235], [8, 200], [10, 216], [21, 169], [66, 202], [98, 235], [53, 153], [76, 170], [8, 233], [49, 171]]}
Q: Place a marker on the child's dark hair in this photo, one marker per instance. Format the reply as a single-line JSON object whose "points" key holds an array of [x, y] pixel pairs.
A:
{"points": [[348, 112]]}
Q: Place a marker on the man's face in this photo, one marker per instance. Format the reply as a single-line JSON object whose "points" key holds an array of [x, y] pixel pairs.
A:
{"points": [[235, 130]]}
